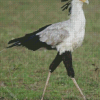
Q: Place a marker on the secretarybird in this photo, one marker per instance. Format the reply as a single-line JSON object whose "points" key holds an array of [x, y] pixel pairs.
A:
{"points": [[64, 36]]}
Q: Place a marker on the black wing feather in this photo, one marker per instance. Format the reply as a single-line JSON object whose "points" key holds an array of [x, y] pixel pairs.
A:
{"points": [[30, 41]]}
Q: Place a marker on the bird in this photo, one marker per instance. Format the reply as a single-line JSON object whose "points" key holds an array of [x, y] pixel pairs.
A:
{"points": [[64, 37]]}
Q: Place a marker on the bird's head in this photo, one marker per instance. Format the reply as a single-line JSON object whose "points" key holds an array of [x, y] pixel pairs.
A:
{"points": [[68, 4], [85, 1]]}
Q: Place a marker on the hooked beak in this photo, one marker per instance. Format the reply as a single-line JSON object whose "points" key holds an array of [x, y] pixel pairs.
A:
{"points": [[86, 1]]}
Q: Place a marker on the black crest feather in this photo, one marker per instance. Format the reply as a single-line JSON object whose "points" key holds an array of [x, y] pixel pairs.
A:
{"points": [[67, 6]]}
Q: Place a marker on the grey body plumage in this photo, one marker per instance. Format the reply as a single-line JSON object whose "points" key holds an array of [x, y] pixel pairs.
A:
{"points": [[54, 34]]}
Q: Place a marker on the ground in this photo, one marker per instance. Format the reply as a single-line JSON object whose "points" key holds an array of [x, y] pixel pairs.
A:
{"points": [[23, 72]]}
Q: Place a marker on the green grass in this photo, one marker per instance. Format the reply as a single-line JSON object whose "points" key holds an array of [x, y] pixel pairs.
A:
{"points": [[24, 72]]}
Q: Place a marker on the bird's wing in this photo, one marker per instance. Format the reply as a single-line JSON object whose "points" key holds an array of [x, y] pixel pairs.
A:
{"points": [[54, 34]]}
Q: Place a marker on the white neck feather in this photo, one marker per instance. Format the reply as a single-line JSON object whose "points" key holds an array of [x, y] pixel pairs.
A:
{"points": [[77, 14], [76, 9]]}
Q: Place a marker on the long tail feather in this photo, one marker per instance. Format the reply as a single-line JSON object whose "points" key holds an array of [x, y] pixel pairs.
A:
{"points": [[15, 44], [30, 41]]}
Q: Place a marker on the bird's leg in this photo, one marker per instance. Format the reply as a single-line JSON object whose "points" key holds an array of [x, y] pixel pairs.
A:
{"points": [[78, 88], [67, 60], [46, 85], [52, 67], [55, 62]]}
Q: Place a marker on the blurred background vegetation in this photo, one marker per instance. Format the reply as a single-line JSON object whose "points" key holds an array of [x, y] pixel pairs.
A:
{"points": [[23, 72]]}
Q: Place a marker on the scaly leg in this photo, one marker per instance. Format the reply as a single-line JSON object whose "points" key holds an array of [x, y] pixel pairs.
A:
{"points": [[52, 67], [46, 85], [78, 88], [67, 60]]}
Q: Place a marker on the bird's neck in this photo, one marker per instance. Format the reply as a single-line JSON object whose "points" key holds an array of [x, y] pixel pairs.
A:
{"points": [[77, 11], [77, 17]]}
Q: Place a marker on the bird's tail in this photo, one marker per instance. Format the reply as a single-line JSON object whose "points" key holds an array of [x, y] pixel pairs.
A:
{"points": [[15, 42], [29, 41]]}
